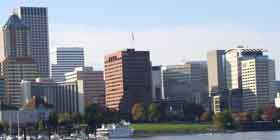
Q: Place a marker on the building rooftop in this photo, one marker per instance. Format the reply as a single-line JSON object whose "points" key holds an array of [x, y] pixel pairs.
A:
{"points": [[14, 22]]}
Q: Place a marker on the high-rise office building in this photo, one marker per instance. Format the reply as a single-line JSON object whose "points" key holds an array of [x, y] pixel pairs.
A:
{"points": [[157, 83], [188, 81], [257, 74], [127, 79], [92, 81], [66, 59], [16, 61], [216, 70], [36, 18]]}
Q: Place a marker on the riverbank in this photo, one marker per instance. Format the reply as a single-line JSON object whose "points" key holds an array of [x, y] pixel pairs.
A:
{"points": [[152, 129]]}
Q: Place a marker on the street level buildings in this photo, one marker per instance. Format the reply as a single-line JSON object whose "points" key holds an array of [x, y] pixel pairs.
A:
{"points": [[92, 81], [64, 97], [66, 59], [36, 18], [127, 79]]}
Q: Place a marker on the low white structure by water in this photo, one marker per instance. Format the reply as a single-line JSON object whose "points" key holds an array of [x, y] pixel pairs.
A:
{"points": [[277, 100]]}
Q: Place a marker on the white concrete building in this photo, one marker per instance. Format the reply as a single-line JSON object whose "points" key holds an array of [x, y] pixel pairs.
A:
{"points": [[257, 74], [157, 83]]}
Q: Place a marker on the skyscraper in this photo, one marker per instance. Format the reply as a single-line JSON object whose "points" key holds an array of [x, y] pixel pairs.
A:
{"points": [[257, 75], [216, 70], [127, 79], [186, 81], [66, 60], [36, 18], [16, 61], [157, 83]]}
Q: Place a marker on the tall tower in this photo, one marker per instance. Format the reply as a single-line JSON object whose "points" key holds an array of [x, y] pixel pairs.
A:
{"points": [[36, 18], [66, 60], [216, 70], [127, 79], [16, 60], [257, 75]]}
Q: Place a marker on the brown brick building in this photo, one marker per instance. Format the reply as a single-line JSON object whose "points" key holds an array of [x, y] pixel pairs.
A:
{"points": [[128, 79]]}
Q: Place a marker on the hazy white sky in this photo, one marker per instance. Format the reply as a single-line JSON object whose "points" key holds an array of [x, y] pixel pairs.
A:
{"points": [[167, 46], [173, 30]]}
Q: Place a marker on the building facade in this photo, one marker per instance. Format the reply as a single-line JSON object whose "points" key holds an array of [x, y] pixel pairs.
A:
{"points": [[274, 89], [65, 97], [257, 75], [157, 83], [93, 83], [66, 60], [16, 60], [127, 79], [216, 70], [188, 81], [36, 18]]}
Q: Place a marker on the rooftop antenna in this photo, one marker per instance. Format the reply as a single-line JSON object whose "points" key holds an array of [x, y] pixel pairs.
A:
{"points": [[132, 40]]}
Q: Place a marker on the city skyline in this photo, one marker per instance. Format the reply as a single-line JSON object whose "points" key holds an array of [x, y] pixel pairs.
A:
{"points": [[190, 32]]}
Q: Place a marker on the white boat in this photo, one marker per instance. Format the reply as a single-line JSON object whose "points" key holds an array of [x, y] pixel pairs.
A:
{"points": [[55, 137], [120, 130]]}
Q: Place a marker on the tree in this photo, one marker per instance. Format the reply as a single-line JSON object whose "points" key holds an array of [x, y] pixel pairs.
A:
{"points": [[53, 120], [224, 120], [258, 115], [77, 118], [40, 125], [206, 117], [138, 112], [193, 111], [94, 115], [154, 113], [268, 112], [64, 119]]}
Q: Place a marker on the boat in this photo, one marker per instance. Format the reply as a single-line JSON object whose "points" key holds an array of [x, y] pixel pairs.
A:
{"points": [[55, 137], [120, 130]]}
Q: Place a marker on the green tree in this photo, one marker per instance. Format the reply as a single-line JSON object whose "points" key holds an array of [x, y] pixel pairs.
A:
{"points": [[154, 113], [94, 115], [192, 111], [224, 120], [64, 119], [40, 125], [77, 118], [53, 120], [138, 112]]}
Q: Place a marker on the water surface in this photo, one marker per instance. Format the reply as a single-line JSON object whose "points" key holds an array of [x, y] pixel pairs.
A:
{"points": [[269, 135]]}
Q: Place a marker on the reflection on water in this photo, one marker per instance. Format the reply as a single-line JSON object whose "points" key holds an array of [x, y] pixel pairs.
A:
{"points": [[271, 135]]}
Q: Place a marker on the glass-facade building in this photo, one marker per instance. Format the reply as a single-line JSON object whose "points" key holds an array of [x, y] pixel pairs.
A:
{"points": [[36, 18]]}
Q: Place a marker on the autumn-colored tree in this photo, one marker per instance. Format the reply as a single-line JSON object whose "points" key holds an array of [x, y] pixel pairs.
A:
{"points": [[206, 117], [138, 112], [268, 111]]}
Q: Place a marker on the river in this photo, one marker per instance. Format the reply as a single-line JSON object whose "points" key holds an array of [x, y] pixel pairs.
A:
{"points": [[269, 135]]}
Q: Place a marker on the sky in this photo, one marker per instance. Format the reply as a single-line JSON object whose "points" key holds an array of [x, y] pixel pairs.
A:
{"points": [[172, 30]]}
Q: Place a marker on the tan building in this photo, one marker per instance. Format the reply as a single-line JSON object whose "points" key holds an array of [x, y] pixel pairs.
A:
{"points": [[127, 79], [93, 83], [257, 75], [16, 61]]}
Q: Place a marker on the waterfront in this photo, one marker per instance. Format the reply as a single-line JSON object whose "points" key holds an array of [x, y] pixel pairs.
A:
{"points": [[268, 135]]}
